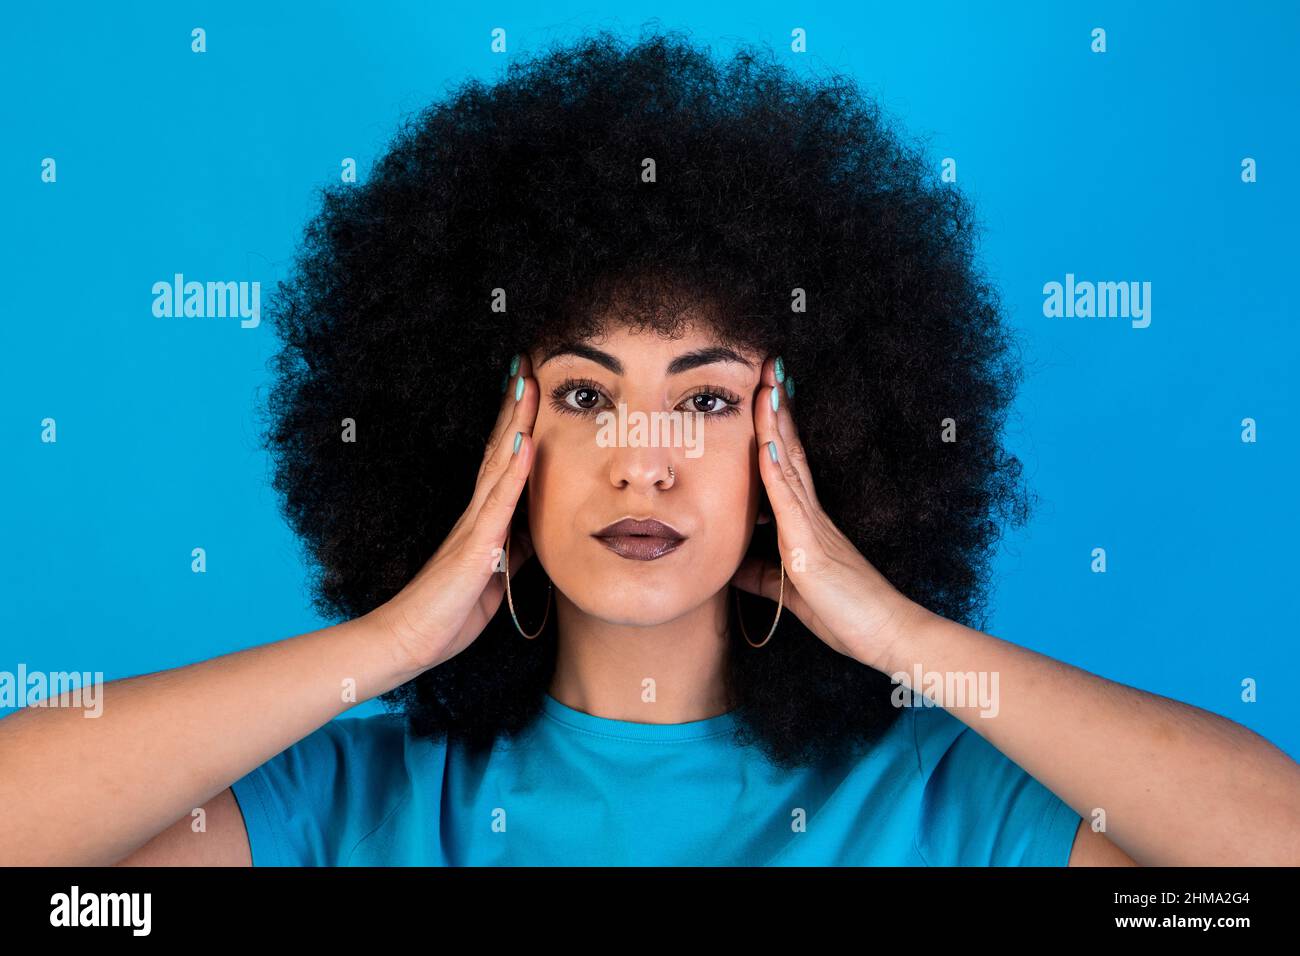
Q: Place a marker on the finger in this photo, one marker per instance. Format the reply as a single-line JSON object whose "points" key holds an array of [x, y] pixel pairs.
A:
{"points": [[520, 402], [505, 411], [784, 424], [789, 508], [495, 515], [780, 478], [789, 431]]}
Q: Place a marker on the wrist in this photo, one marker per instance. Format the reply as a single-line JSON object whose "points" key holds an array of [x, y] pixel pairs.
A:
{"points": [[891, 650], [387, 631]]}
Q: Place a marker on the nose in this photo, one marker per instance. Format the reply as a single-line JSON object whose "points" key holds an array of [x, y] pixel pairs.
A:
{"points": [[642, 469]]}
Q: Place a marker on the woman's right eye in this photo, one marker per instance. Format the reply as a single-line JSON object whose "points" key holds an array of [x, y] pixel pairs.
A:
{"points": [[576, 398], [583, 397]]}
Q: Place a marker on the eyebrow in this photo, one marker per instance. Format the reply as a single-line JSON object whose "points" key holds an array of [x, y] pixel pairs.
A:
{"points": [[683, 363]]}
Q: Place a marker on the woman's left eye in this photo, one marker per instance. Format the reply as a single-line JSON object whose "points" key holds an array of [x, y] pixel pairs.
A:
{"points": [[714, 404]]}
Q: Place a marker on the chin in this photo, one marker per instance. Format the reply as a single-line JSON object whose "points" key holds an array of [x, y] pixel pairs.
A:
{"points": [[634, 602]]}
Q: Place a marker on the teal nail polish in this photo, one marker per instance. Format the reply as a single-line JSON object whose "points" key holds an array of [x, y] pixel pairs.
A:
{"points": [[514, 364], [780, 369], [776, 398], [771, 449], [519, 388], [505, 380], [789, 386], [519, 439]]}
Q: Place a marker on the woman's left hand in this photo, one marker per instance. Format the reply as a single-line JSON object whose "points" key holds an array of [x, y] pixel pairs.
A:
{"points": [[829, 585]]}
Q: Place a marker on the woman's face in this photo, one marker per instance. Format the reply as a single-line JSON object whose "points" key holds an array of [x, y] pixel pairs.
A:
{"points": [[596, 464]]}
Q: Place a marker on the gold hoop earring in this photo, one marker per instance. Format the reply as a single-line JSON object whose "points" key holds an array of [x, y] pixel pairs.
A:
{"points": [[780, 601], [511, 601]]}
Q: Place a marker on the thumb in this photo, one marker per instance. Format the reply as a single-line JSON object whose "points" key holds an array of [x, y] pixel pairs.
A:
{"points": [[754, 576], [521, 547]]}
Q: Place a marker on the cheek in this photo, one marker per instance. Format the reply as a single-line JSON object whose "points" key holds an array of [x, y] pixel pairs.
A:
{"points": [[724, 480], [555, 488], [725, 495]]}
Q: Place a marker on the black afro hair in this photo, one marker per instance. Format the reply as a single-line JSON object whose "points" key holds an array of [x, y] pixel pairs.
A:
{"points": [[765, 183]]}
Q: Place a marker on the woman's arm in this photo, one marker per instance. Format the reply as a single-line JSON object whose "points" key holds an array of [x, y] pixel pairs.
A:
{"points": [[79, 790], [94, 791], [1179, 785], [223, 843]]}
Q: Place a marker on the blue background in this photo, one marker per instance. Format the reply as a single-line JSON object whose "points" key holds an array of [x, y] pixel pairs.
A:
{"points": [[1116, 166]]}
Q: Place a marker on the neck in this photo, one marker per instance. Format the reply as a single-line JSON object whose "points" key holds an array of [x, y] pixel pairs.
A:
{"points": [[667, 673]]}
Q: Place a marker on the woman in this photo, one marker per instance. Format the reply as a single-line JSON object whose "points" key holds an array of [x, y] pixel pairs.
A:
{"points": [[665, 247]]}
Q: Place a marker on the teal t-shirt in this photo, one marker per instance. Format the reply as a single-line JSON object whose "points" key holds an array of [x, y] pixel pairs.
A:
{"points": [[579, 790]]}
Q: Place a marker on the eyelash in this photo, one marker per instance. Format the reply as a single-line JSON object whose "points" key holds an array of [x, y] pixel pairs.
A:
{"points": [[569, 384]]}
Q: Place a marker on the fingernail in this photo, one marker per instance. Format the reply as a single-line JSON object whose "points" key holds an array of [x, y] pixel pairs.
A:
{"points": [[780, 369], [776, 398], [505, 380], [789, 386], [771, 449], [519, 438], [514, 364], [519, 388]]}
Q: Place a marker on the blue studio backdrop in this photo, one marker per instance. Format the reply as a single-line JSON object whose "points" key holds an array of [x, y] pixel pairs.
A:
{"points": [[1153, 154]]}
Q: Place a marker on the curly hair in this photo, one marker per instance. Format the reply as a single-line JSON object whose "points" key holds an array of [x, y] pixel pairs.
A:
{"points": [[765, 184]]}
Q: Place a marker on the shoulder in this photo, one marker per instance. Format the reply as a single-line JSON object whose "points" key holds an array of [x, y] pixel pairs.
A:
{"points": [[374, 755], [374, 734], [978, 806], [310, 803], [932, 731], [345, 742]]}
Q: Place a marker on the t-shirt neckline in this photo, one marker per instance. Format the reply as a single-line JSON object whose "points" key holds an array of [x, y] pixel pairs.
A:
{"points": [[635, 730]]}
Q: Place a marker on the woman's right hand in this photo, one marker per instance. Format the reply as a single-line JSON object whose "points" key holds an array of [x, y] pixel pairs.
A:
{"points": [[451, 599]]}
